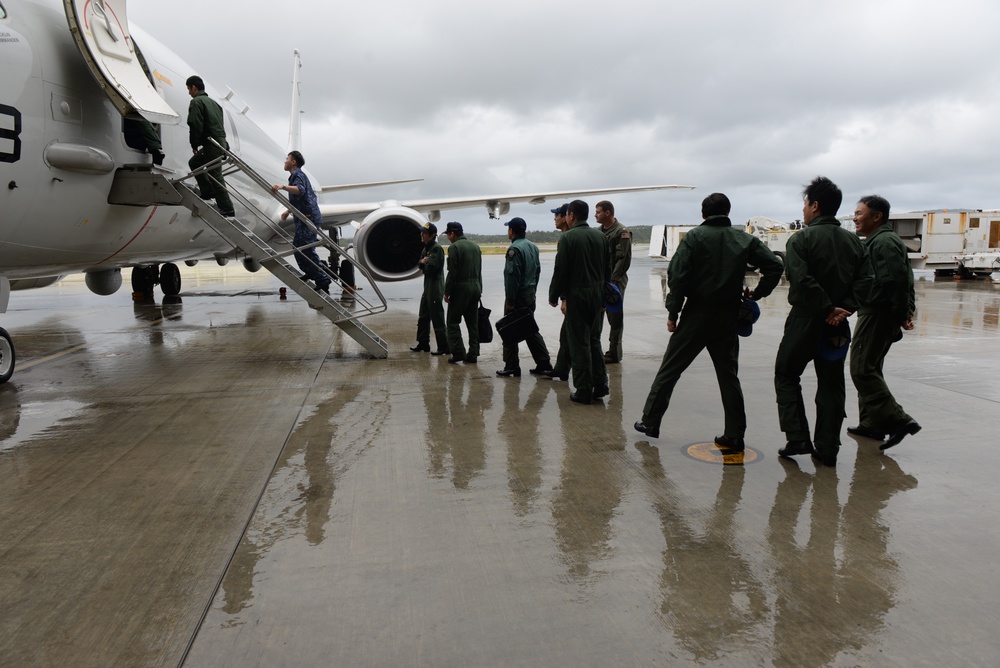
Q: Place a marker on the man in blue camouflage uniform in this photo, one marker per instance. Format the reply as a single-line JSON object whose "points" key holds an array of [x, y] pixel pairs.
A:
{"points": [[302, 196]]}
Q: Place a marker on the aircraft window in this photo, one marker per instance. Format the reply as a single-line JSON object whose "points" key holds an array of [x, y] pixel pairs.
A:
{"points": [[3, 12]]}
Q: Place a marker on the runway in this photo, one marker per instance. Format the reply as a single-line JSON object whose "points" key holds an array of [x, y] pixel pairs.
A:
{"points": [[228, 480]]}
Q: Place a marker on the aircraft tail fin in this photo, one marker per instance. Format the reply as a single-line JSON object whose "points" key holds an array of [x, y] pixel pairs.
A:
{"points": [[295, 122]]}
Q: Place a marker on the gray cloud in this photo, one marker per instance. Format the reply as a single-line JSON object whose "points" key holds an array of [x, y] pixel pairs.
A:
{"points": [[748, 98]]}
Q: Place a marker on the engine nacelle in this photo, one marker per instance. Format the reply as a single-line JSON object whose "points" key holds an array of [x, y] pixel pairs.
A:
{"points": [[104, 282], [388, 243]]}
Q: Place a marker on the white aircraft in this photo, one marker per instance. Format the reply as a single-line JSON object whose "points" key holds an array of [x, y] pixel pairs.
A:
{"points": [[74, 77]]}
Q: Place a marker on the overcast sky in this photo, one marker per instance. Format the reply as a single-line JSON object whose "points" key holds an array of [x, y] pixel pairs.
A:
{"points": [[900, 98]]}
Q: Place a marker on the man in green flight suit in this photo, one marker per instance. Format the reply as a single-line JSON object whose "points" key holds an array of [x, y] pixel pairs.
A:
{"points": [[582, 268], [880, 324], [520, 283], [205, 120], [829, 278], [560, 370], [706, 277], [462, 290], [431, 306], [620, 246]]}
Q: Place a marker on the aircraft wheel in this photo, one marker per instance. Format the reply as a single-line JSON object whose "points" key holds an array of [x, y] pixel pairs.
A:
{"points": [[6, 356], [170, 279], [144, 278]]}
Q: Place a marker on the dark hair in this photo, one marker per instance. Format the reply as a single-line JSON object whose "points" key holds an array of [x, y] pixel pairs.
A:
{"points": [[877, 203], [715, 204], [195, 81], [297, 157], [606, 205], [580, 209], [824, 192]]}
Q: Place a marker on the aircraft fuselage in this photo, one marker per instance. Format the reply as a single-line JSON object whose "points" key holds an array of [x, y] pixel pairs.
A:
{"points": [[61, 140]]}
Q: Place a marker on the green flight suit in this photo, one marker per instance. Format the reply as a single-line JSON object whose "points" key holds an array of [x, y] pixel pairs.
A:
{"points": [[827, 267], [892, 304], [431, 304], [520, 281], [706, 277], [205, 120], [582, 268], [620, 247], [463, 288]]}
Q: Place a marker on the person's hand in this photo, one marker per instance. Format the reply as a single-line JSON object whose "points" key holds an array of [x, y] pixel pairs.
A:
{"points": [[908, 325], [671, 326], [284, 214], [562, 307], [837, 316], [276, 187], [447, 299]]}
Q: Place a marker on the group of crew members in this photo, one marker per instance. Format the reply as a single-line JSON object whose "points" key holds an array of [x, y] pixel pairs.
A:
{"points": [[831, 273]]}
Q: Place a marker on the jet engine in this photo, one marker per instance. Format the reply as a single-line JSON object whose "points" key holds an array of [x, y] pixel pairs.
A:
{"points": [[388, 243]]}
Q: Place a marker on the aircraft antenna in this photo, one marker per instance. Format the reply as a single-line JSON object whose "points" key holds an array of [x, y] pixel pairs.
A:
{"points": [[294, 122]]}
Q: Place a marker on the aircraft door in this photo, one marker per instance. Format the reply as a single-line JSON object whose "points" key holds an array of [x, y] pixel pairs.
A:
{"points": [[100, 29]]}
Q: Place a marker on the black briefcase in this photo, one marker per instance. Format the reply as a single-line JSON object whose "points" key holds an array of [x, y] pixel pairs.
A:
{"points": [[485, 328], [517, 325]]}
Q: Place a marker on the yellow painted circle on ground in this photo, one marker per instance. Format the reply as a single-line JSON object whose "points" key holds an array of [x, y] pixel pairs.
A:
{"points": [[710, 452]]}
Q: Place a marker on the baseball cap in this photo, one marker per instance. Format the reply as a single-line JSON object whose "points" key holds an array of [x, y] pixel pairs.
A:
{"points": [[747, 314], [453, 227], [834, 341], [561, 210], [612, 298], [517, 224], [431, 229]]}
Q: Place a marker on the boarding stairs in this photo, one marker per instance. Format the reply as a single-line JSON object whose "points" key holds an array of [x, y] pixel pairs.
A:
{"points": [[273, 253]]}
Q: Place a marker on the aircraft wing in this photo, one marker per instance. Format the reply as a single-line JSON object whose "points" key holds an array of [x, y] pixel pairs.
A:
{"points": [[358, 186], [496, 205]]}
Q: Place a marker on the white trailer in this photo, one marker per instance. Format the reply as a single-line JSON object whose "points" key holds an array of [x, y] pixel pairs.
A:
{"points": [[664, 239], [936, 239]]}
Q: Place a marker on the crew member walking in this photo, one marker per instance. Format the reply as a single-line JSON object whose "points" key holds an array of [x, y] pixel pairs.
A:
{"points": [[829, 278], [462, 290], [880, 324], [706, 277], [431, 305], [582, 268], [302, 196], [520, 281], [205, 122], [620, 246]]}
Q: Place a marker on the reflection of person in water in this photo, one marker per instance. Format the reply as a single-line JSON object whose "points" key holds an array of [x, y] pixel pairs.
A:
{"points": [[839, 607], [711, 598], [457, 427], [589, 492], [330, 434], [519, 427]]}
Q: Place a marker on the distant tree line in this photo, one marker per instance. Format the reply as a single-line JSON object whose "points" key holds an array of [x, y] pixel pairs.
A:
{"points": [[640, 235]]}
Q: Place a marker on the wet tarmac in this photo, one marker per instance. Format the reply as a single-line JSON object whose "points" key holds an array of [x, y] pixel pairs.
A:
{"points": [[228, 480]]}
